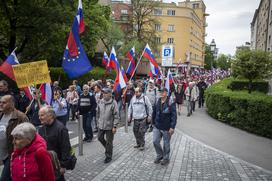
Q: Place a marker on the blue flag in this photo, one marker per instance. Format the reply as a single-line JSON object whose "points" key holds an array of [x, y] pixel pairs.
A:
{"points": [[75, 61]]}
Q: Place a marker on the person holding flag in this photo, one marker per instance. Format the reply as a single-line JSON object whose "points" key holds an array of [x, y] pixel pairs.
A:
{"points": [[131, 65]]}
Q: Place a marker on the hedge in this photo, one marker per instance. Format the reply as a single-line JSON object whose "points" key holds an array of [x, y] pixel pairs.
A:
{"points": [[260, 86], [97, 73], [250, 112]]}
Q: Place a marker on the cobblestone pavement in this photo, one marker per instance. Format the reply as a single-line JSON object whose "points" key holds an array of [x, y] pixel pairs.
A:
{"points": [[190, 160]]}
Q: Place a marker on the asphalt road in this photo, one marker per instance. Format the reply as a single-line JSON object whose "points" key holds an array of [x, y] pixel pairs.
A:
{"points": [[248, 147]]}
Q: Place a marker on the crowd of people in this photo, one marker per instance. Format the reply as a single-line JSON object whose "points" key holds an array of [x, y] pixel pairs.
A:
{"points": [[30, 128]]}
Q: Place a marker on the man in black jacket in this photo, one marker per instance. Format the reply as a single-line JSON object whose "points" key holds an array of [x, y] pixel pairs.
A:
{"points": [[87, 108], [56, 136]]}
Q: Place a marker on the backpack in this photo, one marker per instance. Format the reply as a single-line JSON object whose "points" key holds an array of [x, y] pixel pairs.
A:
{"points": [[55, 163]]}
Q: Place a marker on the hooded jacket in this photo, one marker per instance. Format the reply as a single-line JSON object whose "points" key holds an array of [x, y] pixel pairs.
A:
{"points": [[139, 108], [107, 114], [33, 162]]}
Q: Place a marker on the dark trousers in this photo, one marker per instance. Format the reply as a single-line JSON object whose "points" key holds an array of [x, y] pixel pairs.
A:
{"points": [[108, 142], [139, 129], [201, 101], [87, 125], [5, 176], [62, 119], [72, 108]]}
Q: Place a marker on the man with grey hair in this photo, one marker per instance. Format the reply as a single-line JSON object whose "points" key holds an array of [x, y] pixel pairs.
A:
{"points": [[56, 136], [87, 108], [108, 119], [9, 119], [139, 111]]}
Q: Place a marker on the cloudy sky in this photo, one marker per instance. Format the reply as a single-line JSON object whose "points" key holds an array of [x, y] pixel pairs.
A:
{"points": [[229, 22]]}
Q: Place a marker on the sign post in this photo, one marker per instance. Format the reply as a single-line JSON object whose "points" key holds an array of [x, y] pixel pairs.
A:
{"points": [[167, 55]]}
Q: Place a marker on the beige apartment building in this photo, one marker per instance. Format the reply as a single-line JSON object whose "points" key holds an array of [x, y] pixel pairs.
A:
{"points": [[182, 25], [261, 27]]}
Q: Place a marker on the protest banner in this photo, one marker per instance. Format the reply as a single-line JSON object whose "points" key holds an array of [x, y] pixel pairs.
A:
{"points": [[32, 73]]}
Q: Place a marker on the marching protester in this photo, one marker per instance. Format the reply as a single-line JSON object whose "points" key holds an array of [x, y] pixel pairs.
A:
{"points": [[30, 159], [98, 97], [35, 105], [164, 126], [140, 112], [108, 119], [87, 108], [4, 90], [56, 137], [10, 117], [59, 105], [72, 100], [23, 101], [191, 97], [202, 86], [179, 94], [129, 93], [152, 94], [78, 88]]}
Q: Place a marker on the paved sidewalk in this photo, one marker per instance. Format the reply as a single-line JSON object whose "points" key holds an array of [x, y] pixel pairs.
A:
{"points": [[190, 160]]}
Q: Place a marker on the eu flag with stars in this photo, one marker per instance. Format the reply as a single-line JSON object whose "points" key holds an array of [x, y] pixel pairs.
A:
{"points": [[75, 61]]}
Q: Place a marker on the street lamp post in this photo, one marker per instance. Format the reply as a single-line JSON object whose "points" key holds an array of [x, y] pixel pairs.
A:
{"points": [[213, 50]]}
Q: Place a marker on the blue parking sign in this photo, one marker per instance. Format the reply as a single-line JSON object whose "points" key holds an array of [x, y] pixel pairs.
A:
{"points": [[167, 52]]}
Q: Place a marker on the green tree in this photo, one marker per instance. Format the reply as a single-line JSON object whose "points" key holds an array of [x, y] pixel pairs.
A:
{"points": [[39, 28], [252, 65], [113, 37], [143, 22], [209, 59], [223, 62]]}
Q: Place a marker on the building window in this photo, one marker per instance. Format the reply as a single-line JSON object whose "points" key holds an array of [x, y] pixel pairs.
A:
{"points": [[124, 11], [157, 11], [170, 40], [195, 6], [171, 28], [171, 12], [158, 27], [158, 40]]}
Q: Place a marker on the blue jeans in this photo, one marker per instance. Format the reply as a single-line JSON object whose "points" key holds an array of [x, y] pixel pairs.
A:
{"points": [[157, 136], [87, 125]]}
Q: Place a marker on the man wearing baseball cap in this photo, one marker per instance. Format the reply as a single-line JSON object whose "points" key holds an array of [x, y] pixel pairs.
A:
{"points": [[164, 126], [108, 119]]}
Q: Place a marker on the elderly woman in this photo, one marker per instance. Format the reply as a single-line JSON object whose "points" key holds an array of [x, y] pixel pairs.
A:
{"points": [[30, 159], [59, 105]]}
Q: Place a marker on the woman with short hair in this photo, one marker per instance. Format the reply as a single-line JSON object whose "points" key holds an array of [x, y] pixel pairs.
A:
{"points": [[30, 159]]}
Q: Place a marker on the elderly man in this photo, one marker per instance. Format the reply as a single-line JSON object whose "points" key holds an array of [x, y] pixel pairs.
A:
{"points": [[56, 136], [165, 123], [191, 97], [139, 111], [108, 119], [9, 119], [86, 107]]}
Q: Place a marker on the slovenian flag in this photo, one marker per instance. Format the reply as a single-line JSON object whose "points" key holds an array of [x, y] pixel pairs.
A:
{"points": [[46, 92], [131, 57], [154, 67], [169, 81], [80, 19], [105, 59]]}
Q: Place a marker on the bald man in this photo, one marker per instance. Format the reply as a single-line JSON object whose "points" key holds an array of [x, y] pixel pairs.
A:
{"points": [[9, 119]]}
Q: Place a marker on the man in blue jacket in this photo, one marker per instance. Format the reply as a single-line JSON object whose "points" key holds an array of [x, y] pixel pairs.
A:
{"points": [[165, 123]]}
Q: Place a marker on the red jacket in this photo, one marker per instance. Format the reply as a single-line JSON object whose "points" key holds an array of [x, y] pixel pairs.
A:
{"points": [[32, 162]]}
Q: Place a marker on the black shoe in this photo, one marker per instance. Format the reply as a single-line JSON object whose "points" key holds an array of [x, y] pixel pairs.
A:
{"points": [[107, 160], [157, 160], [85, 139], [164, 162], [188, 114], [141, 148], [88, 140], [136, 146]]}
